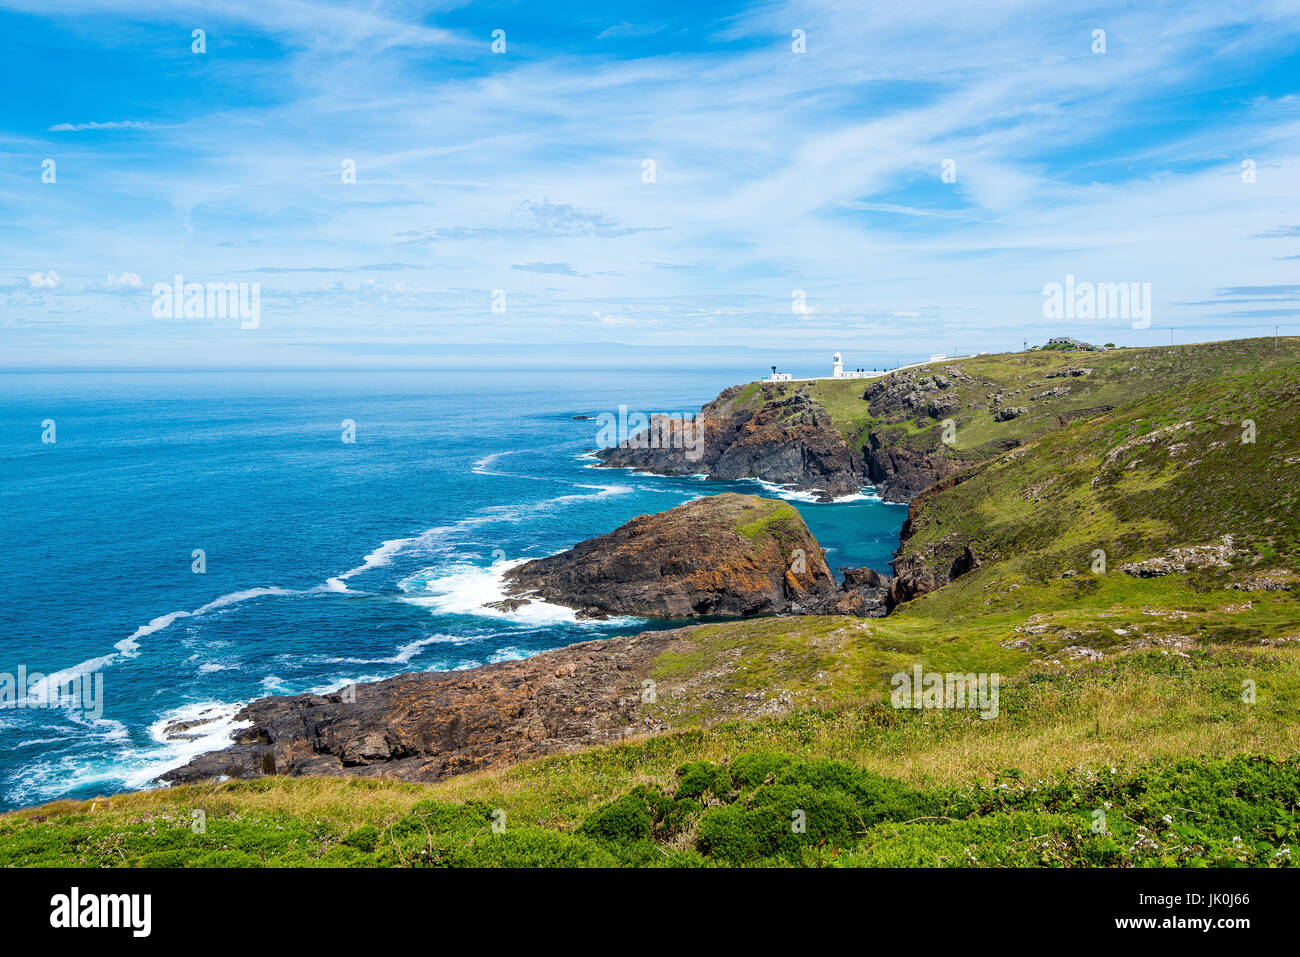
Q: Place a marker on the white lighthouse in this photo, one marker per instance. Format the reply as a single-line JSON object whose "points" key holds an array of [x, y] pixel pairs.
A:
{"points": [[837, 368]]}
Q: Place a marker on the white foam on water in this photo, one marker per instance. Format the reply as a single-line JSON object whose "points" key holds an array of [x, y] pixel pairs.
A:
{"points": [[404, 652], [130, 647], [378, 558], [484, 465], [809, 496], [216, 733], [46, 691], [126, 765], [464, 588], [601, 491]]}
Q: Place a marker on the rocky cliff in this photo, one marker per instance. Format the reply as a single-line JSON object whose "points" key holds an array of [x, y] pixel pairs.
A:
{"points": [[727, 555], [788, 440], [782, 433]]}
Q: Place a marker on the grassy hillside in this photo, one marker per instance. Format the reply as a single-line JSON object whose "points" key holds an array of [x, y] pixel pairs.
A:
{"points": [[878, 786], [1161, 689], [1028, 380]]}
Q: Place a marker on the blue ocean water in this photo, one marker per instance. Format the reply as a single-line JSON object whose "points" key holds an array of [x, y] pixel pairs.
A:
{"points": [[327, 562]]}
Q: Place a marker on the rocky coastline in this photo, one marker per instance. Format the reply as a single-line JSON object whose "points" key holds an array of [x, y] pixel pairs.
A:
{"points": [[792, 441], [724, 555]]}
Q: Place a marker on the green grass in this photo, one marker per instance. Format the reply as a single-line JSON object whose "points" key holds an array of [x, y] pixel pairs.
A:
{"points": [[1048, 755], [777, 519]]}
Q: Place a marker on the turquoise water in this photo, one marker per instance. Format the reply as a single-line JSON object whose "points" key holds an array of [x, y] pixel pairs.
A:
{"points": [[326, 562]]}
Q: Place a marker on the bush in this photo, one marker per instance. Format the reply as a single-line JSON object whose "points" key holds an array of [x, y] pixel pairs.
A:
{"points": [[699, 778], [777, 821]]}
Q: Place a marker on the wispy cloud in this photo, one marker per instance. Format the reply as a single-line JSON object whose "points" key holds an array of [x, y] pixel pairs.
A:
{"points": [[110, 125], [553, 269], [691, 171]]}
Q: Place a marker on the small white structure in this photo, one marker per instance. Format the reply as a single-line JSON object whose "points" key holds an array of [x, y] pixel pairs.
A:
{"points": [[779, 377], [837, 370]]}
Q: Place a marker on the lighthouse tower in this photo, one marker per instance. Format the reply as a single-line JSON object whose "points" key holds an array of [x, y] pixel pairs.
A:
{"points": [[837, 369]]}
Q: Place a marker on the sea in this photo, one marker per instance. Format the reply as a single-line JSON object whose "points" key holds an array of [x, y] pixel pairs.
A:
{"points": [[190, 541]]}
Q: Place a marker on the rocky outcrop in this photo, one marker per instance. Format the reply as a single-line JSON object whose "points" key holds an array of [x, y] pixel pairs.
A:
{"points": [[901, 473], [789, 441], [723, 555], [913, 394], [864, 593], [1187, 558], [727, 555], [427, 726]]}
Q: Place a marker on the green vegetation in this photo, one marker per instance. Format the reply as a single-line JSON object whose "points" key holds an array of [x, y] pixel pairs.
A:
{"points": [[1167, 698], [776, 519]]}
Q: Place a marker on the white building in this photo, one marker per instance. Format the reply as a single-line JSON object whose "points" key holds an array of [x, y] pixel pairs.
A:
{"points": [[779, 377], [837, 371]]}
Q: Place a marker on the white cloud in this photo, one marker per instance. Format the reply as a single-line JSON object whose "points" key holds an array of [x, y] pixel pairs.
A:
{"points": [[48, 281], [111, 125], [127, 280]]}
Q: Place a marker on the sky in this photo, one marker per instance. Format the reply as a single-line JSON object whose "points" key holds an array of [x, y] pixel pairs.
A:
{"points": [[631, 183]]}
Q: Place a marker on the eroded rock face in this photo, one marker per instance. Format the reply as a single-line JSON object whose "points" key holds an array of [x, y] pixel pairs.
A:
{"points": [[901, 473], [910, 393], [789, 441], [728, 555]]}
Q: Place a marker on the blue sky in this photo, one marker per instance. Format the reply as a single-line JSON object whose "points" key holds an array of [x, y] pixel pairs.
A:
{"points": [[522, 171]]}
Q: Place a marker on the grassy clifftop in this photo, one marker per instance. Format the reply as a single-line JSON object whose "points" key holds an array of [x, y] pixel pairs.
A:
{"points": [[970, 391], [876, 786]]}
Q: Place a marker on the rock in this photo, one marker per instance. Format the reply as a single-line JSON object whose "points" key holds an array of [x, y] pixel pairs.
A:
{"points": [[865, 593], [1184, 559], [864, 577], [1062, 373], [730, 555], [1065, 418], [962, 564], [178, 730], [1008, 412], [789, 441], [909, 393], [901, 473], [507, 604], [428, 726]]}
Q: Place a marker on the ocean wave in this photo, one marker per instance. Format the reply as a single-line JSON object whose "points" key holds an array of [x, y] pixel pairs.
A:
{"points": [[602, 491], [122, 765], [404, 653], [463, 588], [483, 466], [809, 496]]}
